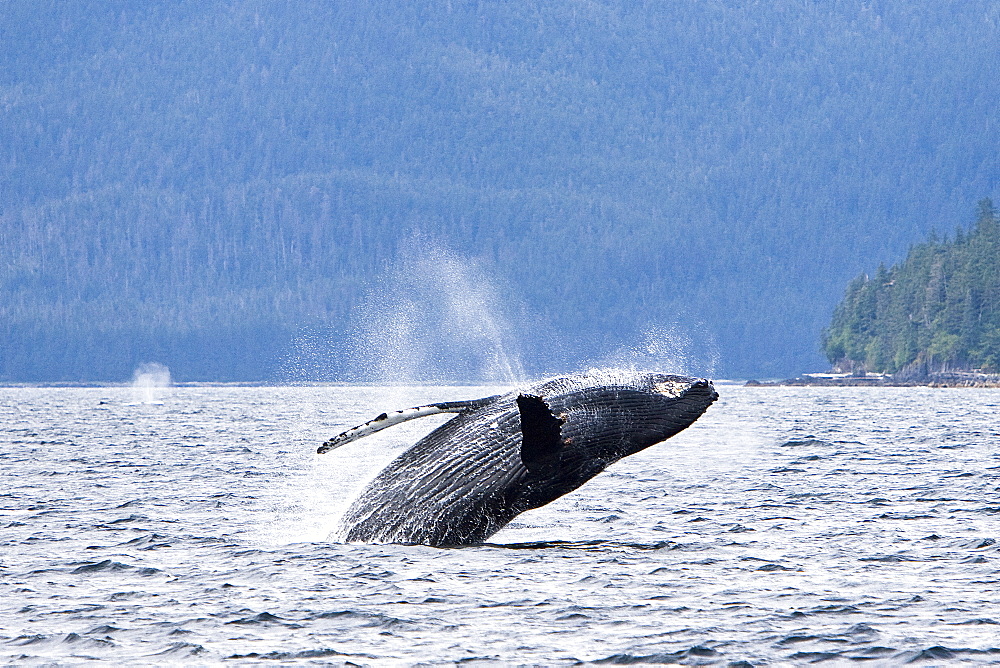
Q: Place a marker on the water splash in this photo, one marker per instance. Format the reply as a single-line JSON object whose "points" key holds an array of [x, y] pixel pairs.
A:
{"points": [[436, 318], [149, 383], [669, 349], [433, 318], [313, 357]]}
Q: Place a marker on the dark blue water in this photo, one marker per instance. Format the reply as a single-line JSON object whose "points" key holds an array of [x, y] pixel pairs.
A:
{"points": [[789, 525]]}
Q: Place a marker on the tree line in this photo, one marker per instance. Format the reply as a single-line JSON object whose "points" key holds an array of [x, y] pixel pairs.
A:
{"points": [[937, 310]]}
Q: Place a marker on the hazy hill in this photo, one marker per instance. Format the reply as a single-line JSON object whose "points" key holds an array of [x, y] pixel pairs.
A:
{"points": [[194, 182]]}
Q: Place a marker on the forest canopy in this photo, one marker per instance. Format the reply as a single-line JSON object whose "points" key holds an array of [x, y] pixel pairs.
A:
{"points": [[939, 309], [198, 182]]}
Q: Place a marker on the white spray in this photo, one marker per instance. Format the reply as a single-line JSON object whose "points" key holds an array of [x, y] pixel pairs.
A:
{"points": [[667, 349], [149, 382], [433, 318], [436, 318]]}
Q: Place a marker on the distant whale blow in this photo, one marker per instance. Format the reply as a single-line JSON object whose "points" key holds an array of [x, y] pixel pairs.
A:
{"points": [[505, 454]]}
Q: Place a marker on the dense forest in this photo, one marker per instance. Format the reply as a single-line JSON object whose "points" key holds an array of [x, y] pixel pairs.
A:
{"points": [[937, 310], [197, 183]]}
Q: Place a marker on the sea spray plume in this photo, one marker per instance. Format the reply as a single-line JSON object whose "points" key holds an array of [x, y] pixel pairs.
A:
{"points": [[668, 347], [149, 380], [432, 317], [435, 317], [313, 356], [505, 454]]}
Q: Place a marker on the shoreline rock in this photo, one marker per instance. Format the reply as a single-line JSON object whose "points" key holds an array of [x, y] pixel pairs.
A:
{"points": [[950, 379]]}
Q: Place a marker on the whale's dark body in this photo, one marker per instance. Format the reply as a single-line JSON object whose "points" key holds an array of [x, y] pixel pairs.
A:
{"points": [[506, 454]]}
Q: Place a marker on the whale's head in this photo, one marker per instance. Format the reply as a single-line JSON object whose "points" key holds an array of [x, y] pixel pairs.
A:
{"points": [[571, 432]]}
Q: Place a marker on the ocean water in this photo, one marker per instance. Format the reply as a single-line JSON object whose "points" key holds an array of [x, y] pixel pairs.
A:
{"points": [[787, 526]]}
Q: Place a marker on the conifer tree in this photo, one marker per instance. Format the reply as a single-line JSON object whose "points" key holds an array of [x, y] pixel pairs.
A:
{"points": [[939, 309]]}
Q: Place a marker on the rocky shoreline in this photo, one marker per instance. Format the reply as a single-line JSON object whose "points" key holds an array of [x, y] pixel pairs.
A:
{"points": [[939, 379]]}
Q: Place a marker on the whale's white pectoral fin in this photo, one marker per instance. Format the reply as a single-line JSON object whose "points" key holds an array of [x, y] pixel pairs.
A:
{"points": [[383, 421], [386, 420]]}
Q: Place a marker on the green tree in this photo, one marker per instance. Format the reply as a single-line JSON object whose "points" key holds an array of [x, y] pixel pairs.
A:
{"points": [[939, 307]]}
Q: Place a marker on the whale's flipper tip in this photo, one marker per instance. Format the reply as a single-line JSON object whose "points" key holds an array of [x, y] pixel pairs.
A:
{"points": [[385, 420]]}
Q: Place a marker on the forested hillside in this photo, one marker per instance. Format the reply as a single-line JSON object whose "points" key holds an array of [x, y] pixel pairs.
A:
{"points": [[939, 309], [194, 182]]}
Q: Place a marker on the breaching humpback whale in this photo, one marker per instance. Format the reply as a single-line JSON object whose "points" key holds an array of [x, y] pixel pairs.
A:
{"points": [[508, 453]]}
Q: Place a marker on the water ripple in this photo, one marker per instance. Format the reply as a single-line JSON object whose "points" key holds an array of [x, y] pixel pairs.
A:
{"points": [[788, 526]]}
